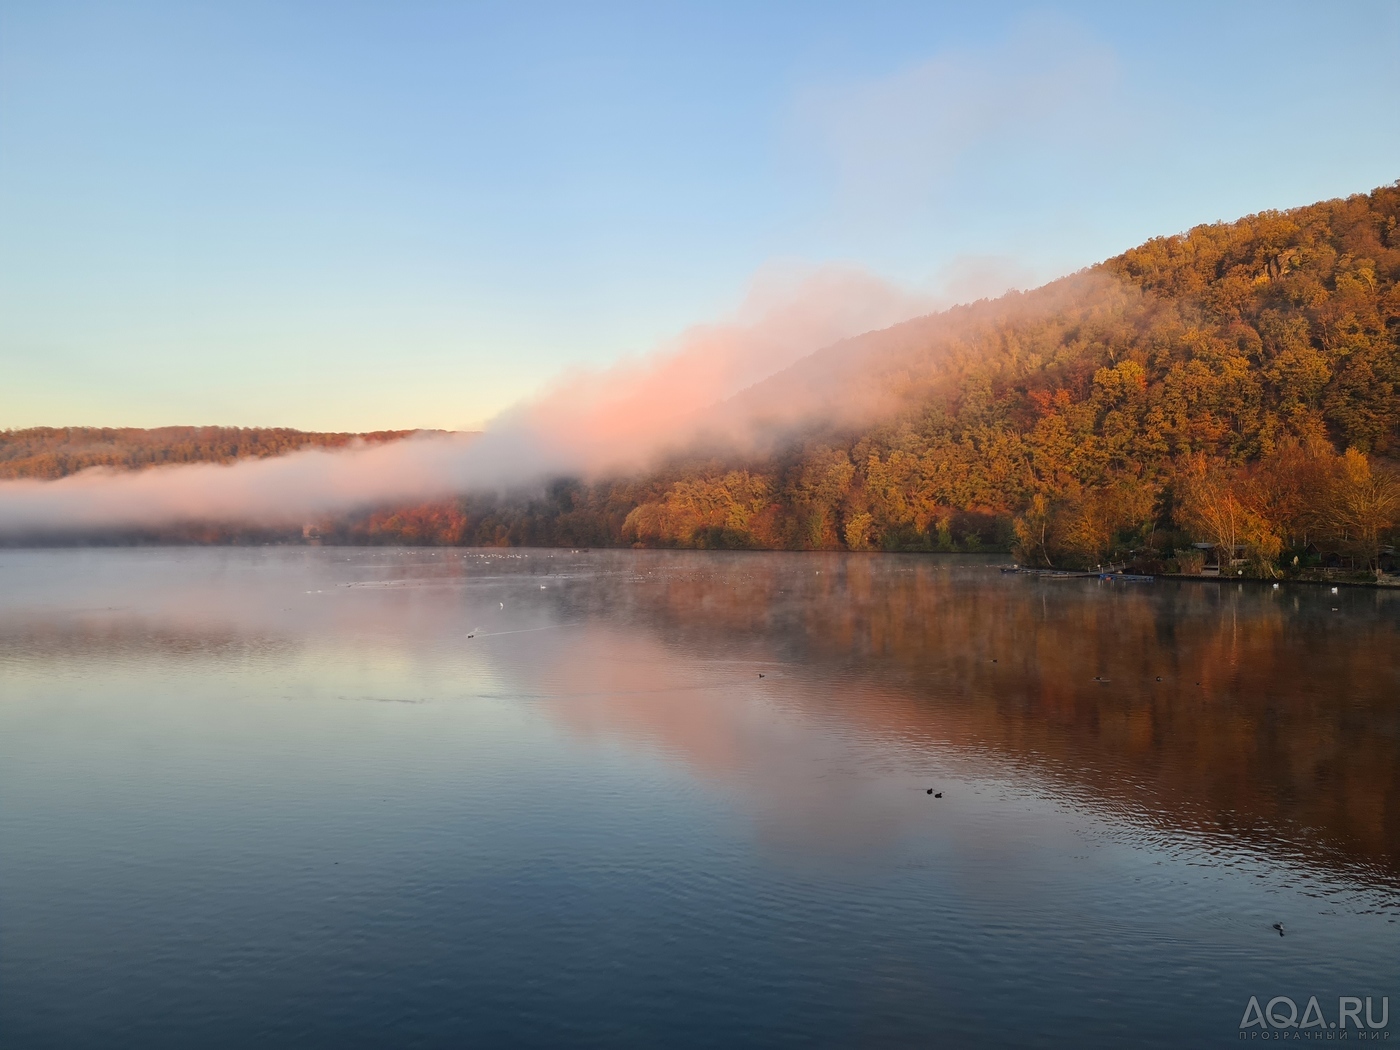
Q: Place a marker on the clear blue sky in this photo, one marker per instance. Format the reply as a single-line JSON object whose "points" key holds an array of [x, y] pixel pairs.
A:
{"points": [[354, 216]]}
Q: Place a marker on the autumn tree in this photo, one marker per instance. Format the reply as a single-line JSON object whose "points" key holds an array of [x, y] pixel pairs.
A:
{"points": [[1212, 508], [1363, 506]]}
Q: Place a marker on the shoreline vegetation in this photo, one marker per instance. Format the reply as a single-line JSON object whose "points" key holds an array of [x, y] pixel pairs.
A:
{"points": [[1226, 398]]}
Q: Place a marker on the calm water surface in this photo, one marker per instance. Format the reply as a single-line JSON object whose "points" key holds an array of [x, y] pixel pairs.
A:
{"points": [[403, 798]]}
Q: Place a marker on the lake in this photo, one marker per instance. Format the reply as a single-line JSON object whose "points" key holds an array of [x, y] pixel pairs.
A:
{"points": [[328, 797]]}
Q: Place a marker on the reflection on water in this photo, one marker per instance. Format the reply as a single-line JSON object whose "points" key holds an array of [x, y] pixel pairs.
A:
{"points": [[369, 797]]}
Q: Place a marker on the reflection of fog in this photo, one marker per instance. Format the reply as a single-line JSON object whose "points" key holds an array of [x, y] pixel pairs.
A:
{"points": [[808, 786], [1275, 719], [1273, 714]]}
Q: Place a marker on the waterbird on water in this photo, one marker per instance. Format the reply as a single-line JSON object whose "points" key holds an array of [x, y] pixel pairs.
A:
{"points": [[1279, 926]]}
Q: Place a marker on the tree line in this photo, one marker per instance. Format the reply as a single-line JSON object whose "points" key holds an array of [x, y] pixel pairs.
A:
{"points": [[1236, 386], [54, 452]]}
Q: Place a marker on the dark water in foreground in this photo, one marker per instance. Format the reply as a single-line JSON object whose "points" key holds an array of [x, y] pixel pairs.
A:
{"points": [[280, 798]]}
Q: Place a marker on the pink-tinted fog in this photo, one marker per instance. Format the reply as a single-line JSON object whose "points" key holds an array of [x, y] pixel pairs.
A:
{"points": [[585, 424]]}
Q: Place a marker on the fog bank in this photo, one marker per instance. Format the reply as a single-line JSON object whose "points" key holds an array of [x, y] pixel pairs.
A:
{"points": [[583, 424]]}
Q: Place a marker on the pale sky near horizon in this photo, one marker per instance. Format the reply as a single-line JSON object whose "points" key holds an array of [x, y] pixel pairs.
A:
{"points": [[356, 216]]}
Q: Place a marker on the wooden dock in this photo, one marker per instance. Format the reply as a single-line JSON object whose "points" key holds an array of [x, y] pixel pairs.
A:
{"points": [[1071, 574]]}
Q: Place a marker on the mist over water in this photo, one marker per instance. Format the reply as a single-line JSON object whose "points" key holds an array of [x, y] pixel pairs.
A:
{"points": [[621, 418], [341, 797]]}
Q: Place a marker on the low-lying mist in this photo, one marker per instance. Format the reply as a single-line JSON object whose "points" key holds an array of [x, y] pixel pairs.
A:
{"points": [[730, 384]]}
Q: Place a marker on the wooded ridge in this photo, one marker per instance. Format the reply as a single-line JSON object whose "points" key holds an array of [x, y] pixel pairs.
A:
{"points": [[1237, 386]]}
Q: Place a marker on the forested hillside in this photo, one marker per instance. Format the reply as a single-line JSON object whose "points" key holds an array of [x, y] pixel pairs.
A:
{"points": [[53, 452], [1237, 385]]}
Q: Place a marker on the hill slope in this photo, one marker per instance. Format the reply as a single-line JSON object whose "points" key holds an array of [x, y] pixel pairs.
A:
{"points": [[1237, 385], [1199, 387], [54, 452]]}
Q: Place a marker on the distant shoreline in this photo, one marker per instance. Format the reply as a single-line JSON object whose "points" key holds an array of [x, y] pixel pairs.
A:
{"points": [[994, 557]]}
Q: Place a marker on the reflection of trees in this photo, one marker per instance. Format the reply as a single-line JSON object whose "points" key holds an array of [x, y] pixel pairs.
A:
{"points": [[1293, 731], [1269, 716]]}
